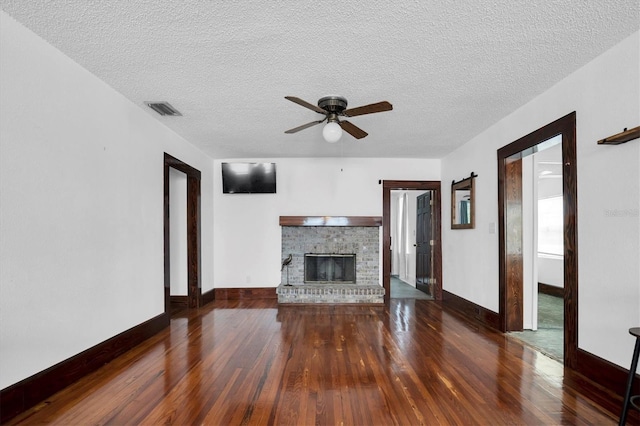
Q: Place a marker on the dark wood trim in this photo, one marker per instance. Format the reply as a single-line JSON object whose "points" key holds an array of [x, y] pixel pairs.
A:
{"points": [[245, 293], [193, 233], [605, 373], [166, 238], [330, 221], [193, 241], [471, 310], [208, 297], [428, 185], [179, 301], [514, 265], [551, 290], [570, 206], [173, 162], [386, 241], [30, 391], [437, 253], [567, 127]]}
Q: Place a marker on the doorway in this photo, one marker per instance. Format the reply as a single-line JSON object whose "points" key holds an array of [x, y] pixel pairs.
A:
{"points": [[430, 275], [194, 290], [512, 235], [411, 249], [178, 285]]}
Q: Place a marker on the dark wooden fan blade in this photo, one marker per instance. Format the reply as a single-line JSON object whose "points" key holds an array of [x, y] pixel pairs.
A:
{"points": [[306, 104], [368, 109], [304, 126], [354, 131]]}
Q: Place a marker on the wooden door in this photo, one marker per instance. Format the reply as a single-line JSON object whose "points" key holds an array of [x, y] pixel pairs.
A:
{"points": [[423, 243]]}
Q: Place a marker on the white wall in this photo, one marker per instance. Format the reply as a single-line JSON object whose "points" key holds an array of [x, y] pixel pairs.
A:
{"points": [[395, 221], [605, 94], [247, 232], [81, 207], [551, 270], [529, 244]]}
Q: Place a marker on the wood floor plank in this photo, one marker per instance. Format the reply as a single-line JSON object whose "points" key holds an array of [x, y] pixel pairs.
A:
{"points": [[253, 362]]}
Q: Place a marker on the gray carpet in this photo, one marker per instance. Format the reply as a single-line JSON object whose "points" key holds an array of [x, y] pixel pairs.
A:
{"points": [[549, 338], [402, 290]]}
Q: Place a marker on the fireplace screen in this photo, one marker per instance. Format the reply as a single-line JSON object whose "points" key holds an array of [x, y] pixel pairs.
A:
{"points": [[329, 268]]}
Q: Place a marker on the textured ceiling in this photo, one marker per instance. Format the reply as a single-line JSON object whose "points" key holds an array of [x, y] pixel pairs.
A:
{"points": [[451, 68]]}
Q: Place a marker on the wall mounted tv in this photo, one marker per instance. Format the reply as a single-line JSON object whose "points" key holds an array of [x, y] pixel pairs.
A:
{"points": [[249, 178]]}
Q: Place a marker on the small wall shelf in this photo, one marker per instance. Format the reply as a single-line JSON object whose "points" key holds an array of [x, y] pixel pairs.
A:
{"points": [[622, 137]]}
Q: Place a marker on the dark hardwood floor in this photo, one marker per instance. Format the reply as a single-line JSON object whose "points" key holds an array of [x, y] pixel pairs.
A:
{"points": [[254, 362]]}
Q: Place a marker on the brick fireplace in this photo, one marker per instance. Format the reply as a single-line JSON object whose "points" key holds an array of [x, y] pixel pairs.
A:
{"points": [[328, 241]]}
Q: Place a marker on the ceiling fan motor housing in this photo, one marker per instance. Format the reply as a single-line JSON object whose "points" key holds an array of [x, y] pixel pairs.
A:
{"points": [[333, 104]]}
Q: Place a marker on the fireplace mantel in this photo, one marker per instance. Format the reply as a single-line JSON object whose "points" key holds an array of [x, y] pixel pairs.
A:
{"points": [[330, 220]]}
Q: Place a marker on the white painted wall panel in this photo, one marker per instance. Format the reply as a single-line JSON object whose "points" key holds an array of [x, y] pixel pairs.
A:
{"points": [[178, 232], [247, 233], [551, 270], [81, 207]]}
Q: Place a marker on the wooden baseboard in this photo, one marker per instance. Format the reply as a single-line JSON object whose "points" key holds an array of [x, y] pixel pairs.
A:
{"points": [[551, 290], [179, 301], [207, 297], [245, 293], [25, 394], [471, 310], [605, 373]]}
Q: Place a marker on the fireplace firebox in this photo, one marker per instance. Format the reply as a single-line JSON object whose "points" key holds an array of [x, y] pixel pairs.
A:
{"points": [[329, 268]]}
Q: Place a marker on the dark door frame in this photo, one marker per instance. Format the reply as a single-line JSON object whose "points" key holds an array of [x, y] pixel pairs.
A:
{"points": [[387, 187], [510, 292], [194, 289]]}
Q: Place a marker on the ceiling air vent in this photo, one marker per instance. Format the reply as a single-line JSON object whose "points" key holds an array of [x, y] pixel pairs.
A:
{"points": [[163, 108]]}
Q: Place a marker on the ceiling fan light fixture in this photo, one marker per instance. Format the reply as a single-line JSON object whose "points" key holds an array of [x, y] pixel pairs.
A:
{"points": [[332, 132], [333, 107]]}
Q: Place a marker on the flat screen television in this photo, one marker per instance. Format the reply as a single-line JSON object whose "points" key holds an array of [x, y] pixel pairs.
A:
{"points": [[249, 178]]}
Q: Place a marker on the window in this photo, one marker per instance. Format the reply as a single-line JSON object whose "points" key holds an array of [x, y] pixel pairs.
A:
{"points": [[550, 226]]}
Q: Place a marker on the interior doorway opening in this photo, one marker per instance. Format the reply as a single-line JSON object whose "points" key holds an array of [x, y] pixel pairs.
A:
{"points": [[543, 249], [412, 253], [516, 254], [193, 262], [178, 284], [429, 278]]}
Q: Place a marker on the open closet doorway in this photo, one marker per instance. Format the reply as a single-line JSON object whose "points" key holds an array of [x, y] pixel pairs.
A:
{"points": [[192, 213], [178, 284], [411, 240], [520, 238]]}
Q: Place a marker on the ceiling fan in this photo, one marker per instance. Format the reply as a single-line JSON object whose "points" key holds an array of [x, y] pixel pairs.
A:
{"points": [[333, 107]]}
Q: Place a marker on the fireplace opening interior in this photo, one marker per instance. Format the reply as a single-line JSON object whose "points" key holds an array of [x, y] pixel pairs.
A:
{"points": [[329, 268]]}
